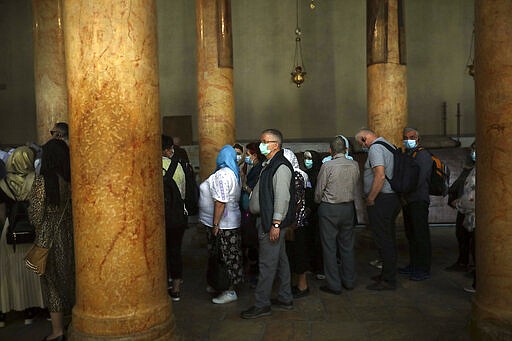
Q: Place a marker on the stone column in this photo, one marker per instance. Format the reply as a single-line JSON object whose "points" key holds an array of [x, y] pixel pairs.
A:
{"points": [[386, 69], [49, 67], [111, 57], [216, 116], [492, 303]]}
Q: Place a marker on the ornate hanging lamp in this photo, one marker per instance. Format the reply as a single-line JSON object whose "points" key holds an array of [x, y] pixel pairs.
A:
{"points": [[298, 70]]}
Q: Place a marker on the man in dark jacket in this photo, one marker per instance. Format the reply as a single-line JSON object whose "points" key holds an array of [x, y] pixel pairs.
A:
{"points": [[273, 201], [415, 211]]}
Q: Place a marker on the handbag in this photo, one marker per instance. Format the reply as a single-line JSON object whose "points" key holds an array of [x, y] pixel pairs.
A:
{"points": [[217, 272], [19, 230], [36, 258]]}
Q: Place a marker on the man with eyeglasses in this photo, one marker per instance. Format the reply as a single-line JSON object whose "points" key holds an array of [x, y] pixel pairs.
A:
{"points": [[383, 205], [273, 201]]}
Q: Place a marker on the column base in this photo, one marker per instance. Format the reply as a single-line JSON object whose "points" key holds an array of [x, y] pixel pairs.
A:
{"points": [[164, 331], [490, 330]]}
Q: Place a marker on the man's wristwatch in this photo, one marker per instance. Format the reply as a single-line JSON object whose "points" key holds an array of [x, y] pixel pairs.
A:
{"points": [[276, 225]]}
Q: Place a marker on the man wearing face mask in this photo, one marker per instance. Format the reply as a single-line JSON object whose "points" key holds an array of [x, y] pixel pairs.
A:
{"points": [[383, 205], [415, 211], [273, 200]]}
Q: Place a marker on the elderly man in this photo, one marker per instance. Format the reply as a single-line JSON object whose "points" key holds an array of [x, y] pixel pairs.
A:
{"points": [[335, 192], [382, 203], [273, 201]]}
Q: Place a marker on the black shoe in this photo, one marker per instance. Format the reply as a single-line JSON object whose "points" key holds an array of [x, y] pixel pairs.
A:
{"points": [[376, 278], [457, 267], [175, 295], [328, 290], [297, 293], [419, 276], [409, 269], [380, 286], [58, 338], [255, 312], [347, 287], [278, 305]]}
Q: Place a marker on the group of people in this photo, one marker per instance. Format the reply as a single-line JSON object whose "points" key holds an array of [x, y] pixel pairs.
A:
{"points": [[288, 206], [259, 207], [39, 176]]}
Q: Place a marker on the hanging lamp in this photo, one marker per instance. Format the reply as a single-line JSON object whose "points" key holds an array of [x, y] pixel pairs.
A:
{"points": [[299, 70]]}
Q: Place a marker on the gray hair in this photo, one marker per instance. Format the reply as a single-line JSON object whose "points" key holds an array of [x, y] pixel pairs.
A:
{"points": [[408, 130], [276, 134]]}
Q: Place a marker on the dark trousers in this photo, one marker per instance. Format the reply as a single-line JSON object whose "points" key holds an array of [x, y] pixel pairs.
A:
{"points": [[173, 241], [417, 232], [465, 239], [382, 216]]}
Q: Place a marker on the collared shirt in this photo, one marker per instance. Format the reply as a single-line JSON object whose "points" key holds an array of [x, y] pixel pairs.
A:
{"points": [[337, 181], [281, 186]]}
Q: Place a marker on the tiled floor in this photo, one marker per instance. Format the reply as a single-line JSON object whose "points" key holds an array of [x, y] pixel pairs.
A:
{"points": [[435, 309]]}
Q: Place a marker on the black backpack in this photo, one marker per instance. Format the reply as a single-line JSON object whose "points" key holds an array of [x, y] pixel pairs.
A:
{"points": [[192, 189], [406, 170], [440, 177], [174, 205]]}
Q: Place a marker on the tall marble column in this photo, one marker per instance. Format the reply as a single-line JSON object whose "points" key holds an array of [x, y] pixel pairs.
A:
{"points": [[49, 66], [492, 303], [386, 69], [216, 116], [112, 69]]}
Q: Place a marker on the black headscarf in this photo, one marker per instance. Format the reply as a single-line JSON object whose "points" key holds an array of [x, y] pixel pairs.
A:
{"points": [[54, 163]]}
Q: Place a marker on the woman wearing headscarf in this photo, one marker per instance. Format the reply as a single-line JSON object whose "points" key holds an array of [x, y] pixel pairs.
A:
{"points": [[19, 289], [296, 244], [312, 163], [219, 211], [50, 212]]}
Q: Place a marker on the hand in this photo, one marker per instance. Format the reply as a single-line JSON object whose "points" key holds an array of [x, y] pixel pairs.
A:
{"points": [[370, 202], [274, 233], [215, 230]]}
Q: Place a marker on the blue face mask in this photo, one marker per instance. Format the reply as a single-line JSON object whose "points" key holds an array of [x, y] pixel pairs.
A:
{"points": [[365, 149], [473, 155], [264, 149], [248, 160], [410, 144], [308, 163], [327, 158]]}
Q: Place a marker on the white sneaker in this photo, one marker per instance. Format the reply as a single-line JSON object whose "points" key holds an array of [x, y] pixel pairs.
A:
{"points": [[210, 289], [470, 290], [225, 297]]}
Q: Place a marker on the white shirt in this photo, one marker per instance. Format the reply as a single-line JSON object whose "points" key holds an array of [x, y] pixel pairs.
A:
{"points": [[224, 187]]}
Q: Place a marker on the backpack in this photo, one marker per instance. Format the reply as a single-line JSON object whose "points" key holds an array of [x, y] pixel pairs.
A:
{"points": [[192, 189], [20, 230], [174, 205], [406, 170], [440, 177]]}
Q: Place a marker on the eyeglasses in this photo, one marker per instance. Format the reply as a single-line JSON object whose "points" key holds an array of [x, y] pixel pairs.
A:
{"points": [[265, 142], [54, 133]]}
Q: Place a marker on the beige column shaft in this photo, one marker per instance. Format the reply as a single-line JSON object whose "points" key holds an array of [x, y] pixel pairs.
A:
{"points": [[386, 72], [111, 57], [216, 117], [49, 66], [492, 304]]}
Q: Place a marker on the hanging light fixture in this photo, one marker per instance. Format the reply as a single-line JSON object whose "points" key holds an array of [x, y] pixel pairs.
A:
{"points": [[298, 70], [470, 63]]}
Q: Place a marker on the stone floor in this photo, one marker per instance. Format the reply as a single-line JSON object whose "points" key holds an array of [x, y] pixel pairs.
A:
{"points": [[436, 309]]}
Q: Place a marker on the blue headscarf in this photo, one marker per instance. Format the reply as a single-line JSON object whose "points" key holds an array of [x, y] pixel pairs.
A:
{"points": [[227, 158]]}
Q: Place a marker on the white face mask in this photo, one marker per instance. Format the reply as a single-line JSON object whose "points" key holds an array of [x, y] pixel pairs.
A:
{"points": [[410, 144], [238, 157], [264, 149]]}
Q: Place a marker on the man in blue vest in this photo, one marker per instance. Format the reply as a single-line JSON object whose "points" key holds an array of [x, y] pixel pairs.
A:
{"points": [[273, 201]]}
